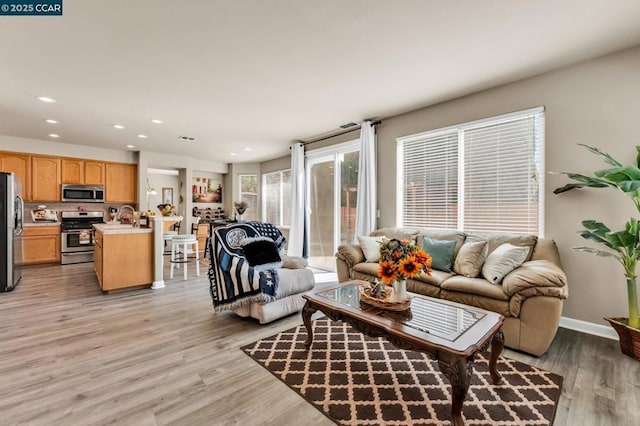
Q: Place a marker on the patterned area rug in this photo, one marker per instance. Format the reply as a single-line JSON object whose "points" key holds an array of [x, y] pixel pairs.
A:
{"points": [[357, 380]]}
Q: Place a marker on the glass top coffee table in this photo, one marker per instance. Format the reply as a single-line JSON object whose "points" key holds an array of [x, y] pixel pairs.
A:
{"points": [[449, 332]]}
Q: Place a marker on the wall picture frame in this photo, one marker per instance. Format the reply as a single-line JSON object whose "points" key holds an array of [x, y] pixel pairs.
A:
{"points": [[167, 196], [206, 190]]}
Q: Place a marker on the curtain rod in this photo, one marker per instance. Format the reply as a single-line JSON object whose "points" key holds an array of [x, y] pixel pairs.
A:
{"points": [[373, 123]]}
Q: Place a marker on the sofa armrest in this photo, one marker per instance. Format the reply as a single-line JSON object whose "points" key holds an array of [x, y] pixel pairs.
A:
{"points": [[351, 253], [543, 275]]}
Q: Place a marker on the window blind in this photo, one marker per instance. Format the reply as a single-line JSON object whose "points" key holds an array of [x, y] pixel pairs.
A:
{"points": [[430, 180], [501, 176], [481, 176]]}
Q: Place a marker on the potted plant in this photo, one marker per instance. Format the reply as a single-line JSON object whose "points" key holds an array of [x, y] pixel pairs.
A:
{"points": [[624, 245]]}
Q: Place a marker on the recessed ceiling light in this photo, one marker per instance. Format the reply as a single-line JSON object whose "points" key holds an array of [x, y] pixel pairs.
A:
{"points": [[118, 126], [53, 135], [46, 99], [232, 154], [247, 149], [51, 121], [143, 136], [156, 121], [131, 146]]}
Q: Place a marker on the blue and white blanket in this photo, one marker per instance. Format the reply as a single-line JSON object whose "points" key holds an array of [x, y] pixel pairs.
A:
{"points": [[233, 282]]}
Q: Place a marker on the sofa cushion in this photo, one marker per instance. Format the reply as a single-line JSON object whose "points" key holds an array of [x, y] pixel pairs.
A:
{"points": [[502, 261], [293, 281], [444, 234], [441, 252], [371, 247], [470, 258], [495, 240], [397, 233], [430, 289], [293, 262], [436, 277], [535, 273], [490, 304], [261, 253], [478, 286], [367, 268]]}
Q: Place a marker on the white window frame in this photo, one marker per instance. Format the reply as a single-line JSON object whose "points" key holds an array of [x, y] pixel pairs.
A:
{"points": [[240, 191], [333, 153], [461, 175], [280, 223]]}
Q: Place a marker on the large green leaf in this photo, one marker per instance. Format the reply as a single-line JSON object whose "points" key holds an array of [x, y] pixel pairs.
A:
{"points": [[630, 187], [638, 155], [596, 252], [587, 181], [603, 239], [594, 225], [623, 239], [607, 158], [619, 174]]}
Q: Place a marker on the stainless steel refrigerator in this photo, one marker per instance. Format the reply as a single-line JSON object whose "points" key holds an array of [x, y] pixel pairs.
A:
{"points": [[11, 214]]}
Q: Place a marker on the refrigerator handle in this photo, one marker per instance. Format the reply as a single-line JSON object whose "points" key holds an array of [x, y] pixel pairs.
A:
{"points": [[21, 221]]}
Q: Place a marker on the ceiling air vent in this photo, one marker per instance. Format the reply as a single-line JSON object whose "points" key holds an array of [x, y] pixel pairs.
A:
{"points": [[186, 138], [346, 126]]}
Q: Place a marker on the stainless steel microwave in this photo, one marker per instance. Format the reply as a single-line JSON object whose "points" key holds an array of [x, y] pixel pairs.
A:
{"points": [[82, 193]]}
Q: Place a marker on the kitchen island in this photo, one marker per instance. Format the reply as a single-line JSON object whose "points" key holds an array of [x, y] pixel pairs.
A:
{"points": [[127, 257], [124, 256]]}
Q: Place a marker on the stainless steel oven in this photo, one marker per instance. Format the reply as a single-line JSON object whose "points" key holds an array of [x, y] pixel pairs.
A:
{"points": [[77, 242]]}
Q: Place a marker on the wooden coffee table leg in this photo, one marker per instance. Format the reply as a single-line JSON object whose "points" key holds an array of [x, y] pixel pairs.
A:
{"points": [[497, 345], [459, 375], [307, 311]]}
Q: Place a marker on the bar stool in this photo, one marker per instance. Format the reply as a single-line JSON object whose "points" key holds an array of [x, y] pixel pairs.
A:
{"points": [[184, 243]]}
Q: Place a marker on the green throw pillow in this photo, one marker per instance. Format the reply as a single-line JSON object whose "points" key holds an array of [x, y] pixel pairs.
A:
{"points": [[441, 252]]}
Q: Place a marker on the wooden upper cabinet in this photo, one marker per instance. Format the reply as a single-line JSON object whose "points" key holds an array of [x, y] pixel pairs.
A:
{"points": [[82, 171], [121, 183], [94, 172], [45, 178], [72, 171], [20, 164]]}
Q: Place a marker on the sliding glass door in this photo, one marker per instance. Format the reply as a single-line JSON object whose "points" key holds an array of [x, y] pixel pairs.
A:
{"points": [[332, 180]]}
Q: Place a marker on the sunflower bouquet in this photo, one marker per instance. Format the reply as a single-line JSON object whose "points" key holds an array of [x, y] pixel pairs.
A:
{"points": [[400, 260]]}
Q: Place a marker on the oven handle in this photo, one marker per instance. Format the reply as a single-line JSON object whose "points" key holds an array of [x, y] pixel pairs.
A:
{"points": [[76, 231], [77, 253]]}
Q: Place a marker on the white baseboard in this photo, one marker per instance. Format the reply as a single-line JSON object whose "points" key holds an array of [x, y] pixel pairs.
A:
{"points": [[589, 328]]}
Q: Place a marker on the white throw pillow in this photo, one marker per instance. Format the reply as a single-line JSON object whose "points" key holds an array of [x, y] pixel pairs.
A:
{"points": [[502, 261], [371, 247]]}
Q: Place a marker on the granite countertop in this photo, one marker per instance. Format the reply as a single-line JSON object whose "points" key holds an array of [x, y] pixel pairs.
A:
{"points": [[30, 224], [112, 229]]}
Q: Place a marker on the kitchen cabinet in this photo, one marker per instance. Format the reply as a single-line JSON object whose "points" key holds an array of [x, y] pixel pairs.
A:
{"points": [[41, 244], [20, 164], [121, 183], [94, 172], [72, 171], [123, 260], [45, 178], [82, 172]]}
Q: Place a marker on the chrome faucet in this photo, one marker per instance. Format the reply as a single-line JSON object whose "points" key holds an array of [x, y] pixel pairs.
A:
{"points": [[133, 215]]}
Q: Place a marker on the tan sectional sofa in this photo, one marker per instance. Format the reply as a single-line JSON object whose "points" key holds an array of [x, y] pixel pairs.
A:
{"points": [[530, 297]]}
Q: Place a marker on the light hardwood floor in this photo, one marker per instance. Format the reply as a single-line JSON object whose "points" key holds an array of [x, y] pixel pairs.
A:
{"points": [[70, 355]]}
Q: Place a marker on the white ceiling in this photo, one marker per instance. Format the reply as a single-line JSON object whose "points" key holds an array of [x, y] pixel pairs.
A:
{"points": [[260, 74]]}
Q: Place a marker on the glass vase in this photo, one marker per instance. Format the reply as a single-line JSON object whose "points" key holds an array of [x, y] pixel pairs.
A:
{"points": [[399, 293]]}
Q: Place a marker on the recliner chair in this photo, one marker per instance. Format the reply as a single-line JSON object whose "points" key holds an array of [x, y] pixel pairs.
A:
{"points": [[237, 286]]}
